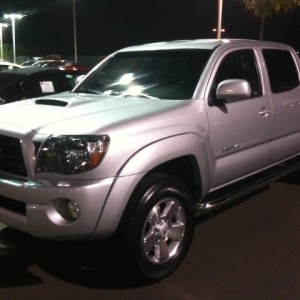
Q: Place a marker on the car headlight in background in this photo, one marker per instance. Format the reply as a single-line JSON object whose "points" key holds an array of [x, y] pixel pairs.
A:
{"points": [[72, 154]]}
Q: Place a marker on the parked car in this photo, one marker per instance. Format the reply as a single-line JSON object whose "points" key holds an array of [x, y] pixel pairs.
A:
{"points": [[75, 67], [32, 82], [154, 136], [4, 65], [30, 62], [50, 63], [61, 64]]}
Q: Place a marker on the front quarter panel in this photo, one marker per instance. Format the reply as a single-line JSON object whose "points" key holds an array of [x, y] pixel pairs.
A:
{"points": [[141, 163]]}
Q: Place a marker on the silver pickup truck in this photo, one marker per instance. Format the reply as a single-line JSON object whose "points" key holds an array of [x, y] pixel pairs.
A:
{"points": [[153, 137]]}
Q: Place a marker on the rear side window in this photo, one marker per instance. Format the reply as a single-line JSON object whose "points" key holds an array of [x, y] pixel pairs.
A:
{"points": [[282, 70]]}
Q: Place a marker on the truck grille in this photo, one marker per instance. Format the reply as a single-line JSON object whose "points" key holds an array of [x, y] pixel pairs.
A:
{"points": [[11, 156]]}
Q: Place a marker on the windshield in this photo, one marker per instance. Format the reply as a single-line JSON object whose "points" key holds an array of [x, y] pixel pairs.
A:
{"points": [[164, 74]]}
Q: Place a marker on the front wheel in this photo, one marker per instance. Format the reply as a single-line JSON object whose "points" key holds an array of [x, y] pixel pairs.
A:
{"points": [[158, 226]]}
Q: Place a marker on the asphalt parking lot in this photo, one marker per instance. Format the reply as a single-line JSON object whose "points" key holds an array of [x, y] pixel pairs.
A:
{"points": [[248, 251]]}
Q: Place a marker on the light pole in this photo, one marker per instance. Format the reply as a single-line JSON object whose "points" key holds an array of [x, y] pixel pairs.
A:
{"points": [[13, 18], [75, 31], [219, 29], [2, 25]]}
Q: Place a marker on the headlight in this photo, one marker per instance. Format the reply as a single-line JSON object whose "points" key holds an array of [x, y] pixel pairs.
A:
{"points": [[72, 154]]}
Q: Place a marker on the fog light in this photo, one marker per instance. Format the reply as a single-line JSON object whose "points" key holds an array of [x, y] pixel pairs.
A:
{"points": [[73, 209]]}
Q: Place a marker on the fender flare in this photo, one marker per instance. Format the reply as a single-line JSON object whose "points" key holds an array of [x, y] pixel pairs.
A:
{"points": [[139, 164]]}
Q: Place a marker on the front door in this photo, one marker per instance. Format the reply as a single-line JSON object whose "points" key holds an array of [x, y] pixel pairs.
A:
{"points": [[240, 131]]}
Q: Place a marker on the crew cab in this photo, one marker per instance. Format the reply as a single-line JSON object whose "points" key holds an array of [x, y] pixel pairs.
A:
{"points": [[153, 137]]}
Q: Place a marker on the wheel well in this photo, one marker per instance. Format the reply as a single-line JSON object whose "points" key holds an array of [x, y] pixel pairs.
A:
{"points": [[184, 169]]}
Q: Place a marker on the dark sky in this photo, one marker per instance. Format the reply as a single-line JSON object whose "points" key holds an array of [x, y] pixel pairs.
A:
{"points": [[104, 26]]}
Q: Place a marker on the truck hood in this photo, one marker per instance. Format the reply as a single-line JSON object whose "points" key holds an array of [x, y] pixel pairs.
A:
{"points": [[69, 113]]}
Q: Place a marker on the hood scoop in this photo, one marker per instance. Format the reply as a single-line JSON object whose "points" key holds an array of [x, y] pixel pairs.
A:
{"points": [[51, 102]]}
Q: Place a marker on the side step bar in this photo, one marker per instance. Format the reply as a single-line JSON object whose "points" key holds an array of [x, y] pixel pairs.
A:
{"points": [[241, 188]]}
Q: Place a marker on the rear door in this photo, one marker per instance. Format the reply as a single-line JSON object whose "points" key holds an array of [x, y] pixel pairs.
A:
{"points": [[285, 90]]}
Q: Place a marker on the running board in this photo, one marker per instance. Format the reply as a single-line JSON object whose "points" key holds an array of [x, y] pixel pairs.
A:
{"points": [[241, 188]]}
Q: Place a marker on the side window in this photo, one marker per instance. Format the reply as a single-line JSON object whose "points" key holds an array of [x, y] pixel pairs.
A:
{"points": [[240, 65], [282, 70], [31, 86], [45, 84]]}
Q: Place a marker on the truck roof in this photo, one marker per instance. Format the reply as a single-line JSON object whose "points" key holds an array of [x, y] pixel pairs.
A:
{"points": [[199, 44]]}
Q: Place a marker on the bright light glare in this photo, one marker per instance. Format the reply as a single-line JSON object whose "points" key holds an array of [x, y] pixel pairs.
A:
{"points": [[134, 90], [13, 16], [126, 79]]}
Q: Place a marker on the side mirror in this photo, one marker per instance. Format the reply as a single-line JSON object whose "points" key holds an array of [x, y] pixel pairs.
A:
{"points": [[233, 90]]}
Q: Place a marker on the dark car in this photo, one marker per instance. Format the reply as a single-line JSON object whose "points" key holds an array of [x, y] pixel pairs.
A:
{"points": [[33, 82]]}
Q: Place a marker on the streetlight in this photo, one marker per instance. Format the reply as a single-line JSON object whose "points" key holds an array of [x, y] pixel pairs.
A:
{"points": [[219, 29], [75, 31], [2, 25], [215, 30], [13, 18]]}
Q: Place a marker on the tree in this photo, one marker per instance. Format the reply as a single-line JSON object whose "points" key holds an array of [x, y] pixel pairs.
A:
{"points": [[264, 9]]}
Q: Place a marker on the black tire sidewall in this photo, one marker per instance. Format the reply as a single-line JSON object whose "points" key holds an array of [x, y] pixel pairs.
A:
{"points": [[150, 192]]}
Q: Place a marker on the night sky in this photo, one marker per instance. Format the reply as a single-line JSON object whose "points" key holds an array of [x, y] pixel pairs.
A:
{"points": [[104, 26]]}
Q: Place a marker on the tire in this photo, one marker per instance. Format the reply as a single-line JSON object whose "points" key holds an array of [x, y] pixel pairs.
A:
{"points": [[157, 227]]}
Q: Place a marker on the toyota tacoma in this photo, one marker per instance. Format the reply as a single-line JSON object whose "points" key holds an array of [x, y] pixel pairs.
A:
{"points": [[153, 137]]}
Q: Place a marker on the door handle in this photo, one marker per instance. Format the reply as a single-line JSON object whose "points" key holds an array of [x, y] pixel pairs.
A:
{"points": [[264, 112]]}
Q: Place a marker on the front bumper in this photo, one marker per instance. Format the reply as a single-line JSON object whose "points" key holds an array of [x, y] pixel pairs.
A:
{"points": [[34, 207]]}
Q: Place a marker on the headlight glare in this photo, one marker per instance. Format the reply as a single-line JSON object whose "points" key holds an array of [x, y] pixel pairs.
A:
{"points": [[72, 154]]}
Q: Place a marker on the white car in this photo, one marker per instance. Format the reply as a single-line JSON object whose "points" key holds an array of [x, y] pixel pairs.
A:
{"points": [[5, 65]]}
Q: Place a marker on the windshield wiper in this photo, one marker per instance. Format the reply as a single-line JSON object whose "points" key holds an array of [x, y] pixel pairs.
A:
{"points": [[87, 91], [114, 93], [142, 95]]}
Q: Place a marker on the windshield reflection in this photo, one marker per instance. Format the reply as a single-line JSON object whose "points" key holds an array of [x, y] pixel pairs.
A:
{"points": [[163, 74]]}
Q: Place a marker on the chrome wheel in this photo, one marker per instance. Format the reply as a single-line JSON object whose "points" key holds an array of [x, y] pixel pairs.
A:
{"points": [[163, 231], [157, 227]]}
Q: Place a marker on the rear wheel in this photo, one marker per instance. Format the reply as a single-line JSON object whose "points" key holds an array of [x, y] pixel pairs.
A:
{"points": [[158, 226]]}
